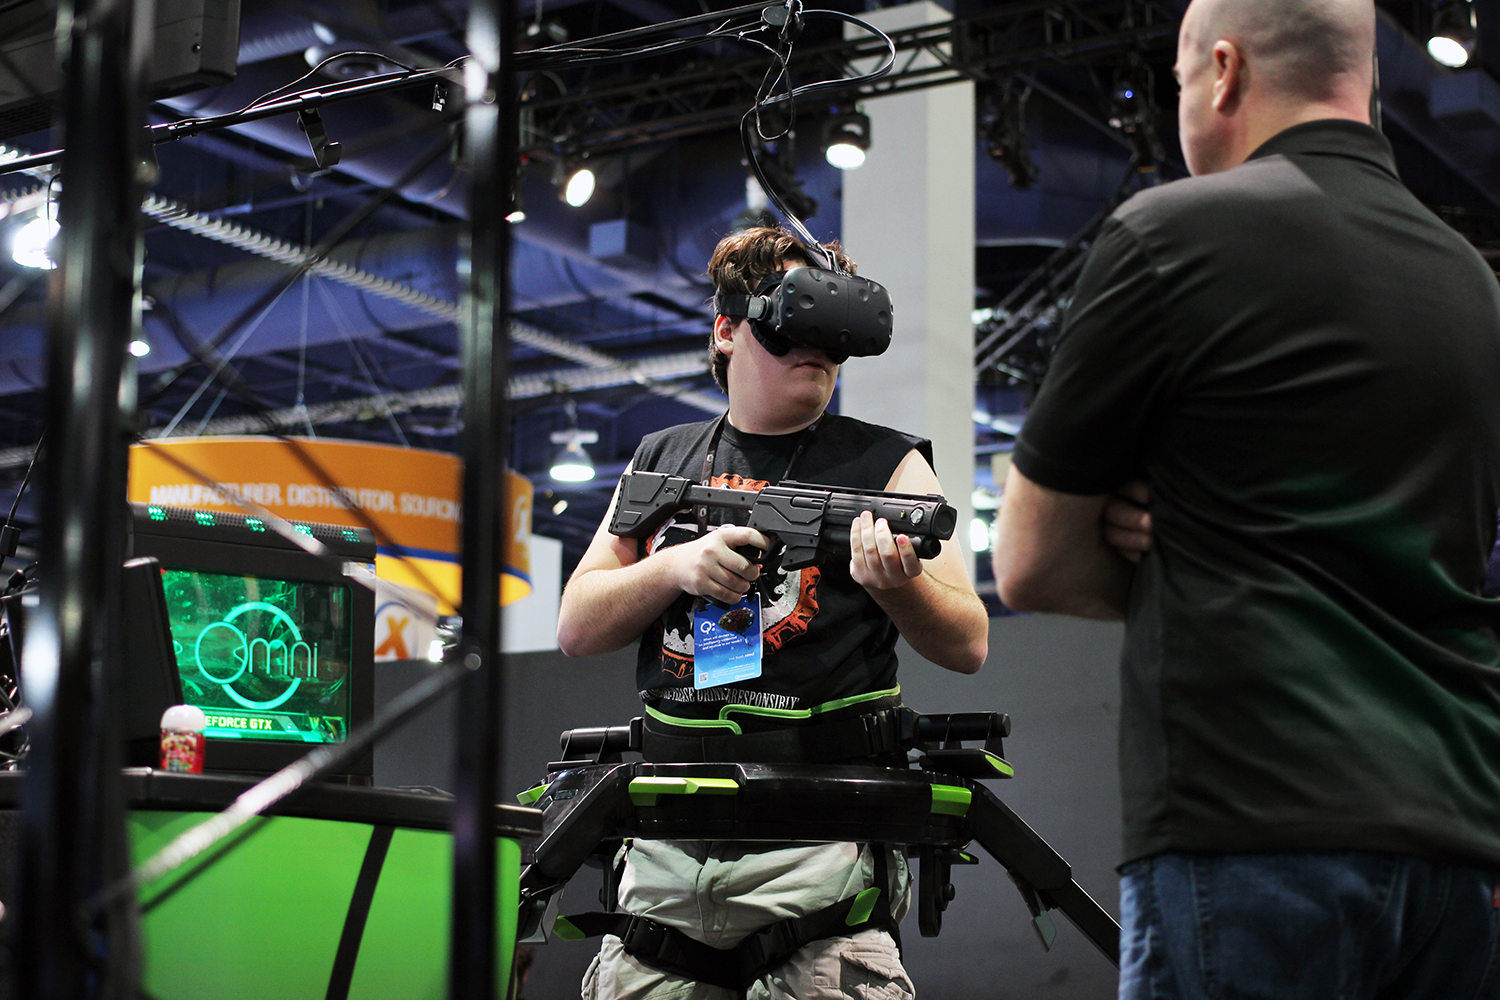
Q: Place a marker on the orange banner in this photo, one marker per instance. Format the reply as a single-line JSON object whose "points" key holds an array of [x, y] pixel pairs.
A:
{"points": [[410, 495]]}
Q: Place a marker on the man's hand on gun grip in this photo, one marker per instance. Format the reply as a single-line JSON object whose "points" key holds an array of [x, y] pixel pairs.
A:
{"points": [[1126, 522], [878, 559], [710, 567]]}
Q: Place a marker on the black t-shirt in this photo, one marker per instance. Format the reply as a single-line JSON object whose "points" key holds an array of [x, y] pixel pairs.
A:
{"points": [[1304, 364], [823, 638]]}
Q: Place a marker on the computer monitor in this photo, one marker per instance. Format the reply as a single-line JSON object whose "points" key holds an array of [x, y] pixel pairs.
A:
{"points": [[148, 676], [273, 643]]}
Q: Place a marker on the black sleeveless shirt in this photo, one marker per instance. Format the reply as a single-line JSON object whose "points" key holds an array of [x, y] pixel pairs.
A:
{"points": [[823, 638]]}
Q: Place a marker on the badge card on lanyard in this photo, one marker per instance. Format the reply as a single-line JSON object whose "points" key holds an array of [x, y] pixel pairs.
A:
{"points": [[726, 641]]}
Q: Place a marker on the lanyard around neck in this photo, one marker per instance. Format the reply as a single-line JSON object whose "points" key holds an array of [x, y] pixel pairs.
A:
{"points": [[713, 450]]}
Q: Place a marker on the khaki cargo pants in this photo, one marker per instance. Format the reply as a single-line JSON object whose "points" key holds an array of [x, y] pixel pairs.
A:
{"points": [[721, 891]]}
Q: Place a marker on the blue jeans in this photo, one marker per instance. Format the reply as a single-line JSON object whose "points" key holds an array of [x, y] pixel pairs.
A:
{"points": [[1307, 926]]}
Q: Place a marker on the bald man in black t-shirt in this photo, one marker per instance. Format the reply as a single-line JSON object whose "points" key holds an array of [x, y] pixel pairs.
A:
{"points": [[1301, 362]]}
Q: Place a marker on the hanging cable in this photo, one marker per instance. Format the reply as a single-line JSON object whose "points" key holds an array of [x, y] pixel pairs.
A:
{"points": [[764, 100], [212, 409], [10, 535], [217, 365], [376, 385]]}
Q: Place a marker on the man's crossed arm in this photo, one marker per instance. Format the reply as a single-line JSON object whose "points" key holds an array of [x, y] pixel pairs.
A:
{"points": [[1069, 554]]}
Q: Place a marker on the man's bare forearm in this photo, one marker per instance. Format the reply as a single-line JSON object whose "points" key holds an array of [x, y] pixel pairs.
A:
{"points": [[1050, 554], [945, 624], [1095, 586]]}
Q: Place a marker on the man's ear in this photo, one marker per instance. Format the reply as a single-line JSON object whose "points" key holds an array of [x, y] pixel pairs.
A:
{"points": [[724, 334], [1230, 77]]}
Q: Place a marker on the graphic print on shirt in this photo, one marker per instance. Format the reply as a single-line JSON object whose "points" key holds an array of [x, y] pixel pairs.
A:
{"points": [[789, 602]]}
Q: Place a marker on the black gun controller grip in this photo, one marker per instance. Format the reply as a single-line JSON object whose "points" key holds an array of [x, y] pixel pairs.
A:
{"points": [[926, 546], [752, 553]]}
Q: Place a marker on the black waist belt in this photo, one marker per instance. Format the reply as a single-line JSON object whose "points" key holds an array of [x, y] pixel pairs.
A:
{"points": [[670, 950], [856, 737]]}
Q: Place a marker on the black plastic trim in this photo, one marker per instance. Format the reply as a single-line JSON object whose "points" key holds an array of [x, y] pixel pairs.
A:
{"points": [[147, 789]]}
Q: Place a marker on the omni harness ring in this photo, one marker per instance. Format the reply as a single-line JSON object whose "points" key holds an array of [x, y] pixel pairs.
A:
{"points": [[593, 798]]}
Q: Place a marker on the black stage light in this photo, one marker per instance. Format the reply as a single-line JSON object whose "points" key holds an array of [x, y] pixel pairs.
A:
{"points": [[846, 139], [574, 181], [1452, 41]]}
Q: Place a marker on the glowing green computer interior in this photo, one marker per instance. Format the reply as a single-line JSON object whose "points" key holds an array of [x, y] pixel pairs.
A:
{"points": [[264, 659]]}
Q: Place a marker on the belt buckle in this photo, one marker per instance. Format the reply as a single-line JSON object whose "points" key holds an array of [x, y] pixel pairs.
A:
{"points": [[777, 941], [878, 732], [643, 935]]}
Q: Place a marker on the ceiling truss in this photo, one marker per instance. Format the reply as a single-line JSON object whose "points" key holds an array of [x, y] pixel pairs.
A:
{"points": [[706, 95]]}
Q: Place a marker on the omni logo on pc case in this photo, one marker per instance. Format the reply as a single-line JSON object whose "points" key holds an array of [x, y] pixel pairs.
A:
{"points": [[224, 653]]}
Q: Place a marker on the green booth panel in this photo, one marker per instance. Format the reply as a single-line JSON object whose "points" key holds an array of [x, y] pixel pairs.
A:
{"points": [[267, 920], [344, 894]]}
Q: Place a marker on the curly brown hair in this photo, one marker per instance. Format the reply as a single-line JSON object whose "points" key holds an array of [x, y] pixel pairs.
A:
{"points": [[743, 260]]}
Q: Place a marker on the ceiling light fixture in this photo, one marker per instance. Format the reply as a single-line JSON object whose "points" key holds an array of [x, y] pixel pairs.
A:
{"points": [[31, 245], [579, 188], [846, 139], [1002, 132], [517, 211], [573, 464], [1448, 50], [1452, 41], [540, 34]]}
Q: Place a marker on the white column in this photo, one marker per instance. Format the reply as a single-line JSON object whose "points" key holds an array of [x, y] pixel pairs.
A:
{"points": [[909, 223], [531, 622]]}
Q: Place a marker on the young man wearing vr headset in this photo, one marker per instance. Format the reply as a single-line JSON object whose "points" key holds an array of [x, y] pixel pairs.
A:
{"points": [[827, 639]]}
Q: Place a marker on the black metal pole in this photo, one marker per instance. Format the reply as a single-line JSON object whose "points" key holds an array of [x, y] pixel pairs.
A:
{"points": [[66, 824], [489, 146]]}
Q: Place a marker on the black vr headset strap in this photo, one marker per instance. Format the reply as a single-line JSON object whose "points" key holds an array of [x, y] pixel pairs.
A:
{"points": [[741, 306], [759, 311]]}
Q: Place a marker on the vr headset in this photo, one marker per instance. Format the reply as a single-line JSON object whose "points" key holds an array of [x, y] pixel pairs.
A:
{"points": [[840, 314]]}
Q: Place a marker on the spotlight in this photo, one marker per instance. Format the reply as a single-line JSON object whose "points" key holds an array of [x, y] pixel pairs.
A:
{"points": [[540, 34], [573, 464], [139, 348], [1002, 133], [1133, 114], [517, 211], [1453, 32], [846, 139], [579, 188], [31, 244], [1448, 51]]}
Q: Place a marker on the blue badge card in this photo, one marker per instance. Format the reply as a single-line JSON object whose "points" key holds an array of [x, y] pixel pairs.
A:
{"points": [[726, 642]]}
